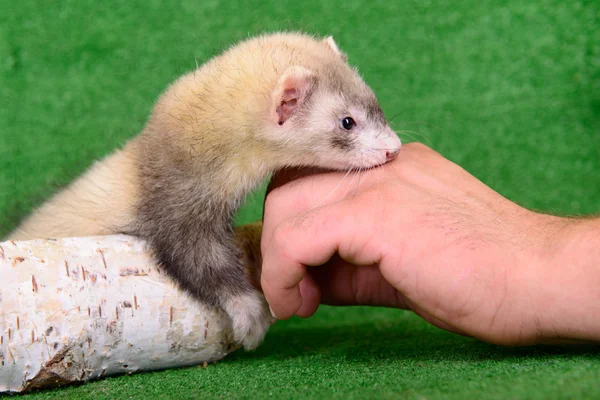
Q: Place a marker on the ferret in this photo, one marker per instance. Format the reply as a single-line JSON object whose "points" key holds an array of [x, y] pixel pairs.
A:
{"points": [[272, 101]]}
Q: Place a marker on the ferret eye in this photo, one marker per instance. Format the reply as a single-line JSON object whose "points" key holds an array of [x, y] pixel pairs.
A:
{"points": [[348, 123]]}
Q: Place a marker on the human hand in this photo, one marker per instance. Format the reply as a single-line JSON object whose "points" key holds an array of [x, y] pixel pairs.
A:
{"points": [[418, 233]]}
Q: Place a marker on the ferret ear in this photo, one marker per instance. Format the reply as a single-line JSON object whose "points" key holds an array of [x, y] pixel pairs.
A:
{"points": [[333, 47], [291, 91]]}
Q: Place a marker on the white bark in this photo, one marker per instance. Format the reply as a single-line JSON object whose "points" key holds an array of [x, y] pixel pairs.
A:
{"points": [[82, 308]]}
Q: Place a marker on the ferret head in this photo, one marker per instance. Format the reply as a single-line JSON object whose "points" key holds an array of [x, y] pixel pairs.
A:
{"points": [[324, 112]]}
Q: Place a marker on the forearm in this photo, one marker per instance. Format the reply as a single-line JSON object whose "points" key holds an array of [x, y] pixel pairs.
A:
{"points": [[570, 302]]}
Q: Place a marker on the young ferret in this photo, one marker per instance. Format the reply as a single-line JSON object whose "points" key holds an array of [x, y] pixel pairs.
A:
{"points": [[269, 102]]}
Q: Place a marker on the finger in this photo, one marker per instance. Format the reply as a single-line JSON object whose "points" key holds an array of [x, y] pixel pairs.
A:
{"points": [[304, 193], [312, 239], [311, 297], [284, 264], [342, 283]]}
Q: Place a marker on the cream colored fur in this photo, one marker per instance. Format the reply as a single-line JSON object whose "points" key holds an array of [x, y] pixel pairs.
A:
{"points": [[98, 203]]}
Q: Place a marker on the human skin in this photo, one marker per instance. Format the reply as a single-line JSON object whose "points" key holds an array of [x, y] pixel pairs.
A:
{"points": [[421, 233]]}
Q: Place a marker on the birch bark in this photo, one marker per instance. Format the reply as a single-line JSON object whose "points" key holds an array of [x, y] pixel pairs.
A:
{"points": [[76, 309]]}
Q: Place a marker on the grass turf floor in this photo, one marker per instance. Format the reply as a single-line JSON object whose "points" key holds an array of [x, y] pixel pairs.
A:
{"points": [[508, 89]]}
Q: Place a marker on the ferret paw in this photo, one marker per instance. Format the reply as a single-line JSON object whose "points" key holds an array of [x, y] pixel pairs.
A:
{"points": [[250, 317]]}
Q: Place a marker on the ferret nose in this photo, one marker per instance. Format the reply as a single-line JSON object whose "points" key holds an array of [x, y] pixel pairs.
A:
{"points": [[390, 155]]}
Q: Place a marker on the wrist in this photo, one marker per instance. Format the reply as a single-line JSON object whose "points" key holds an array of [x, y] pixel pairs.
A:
{"points": [[569, 289]]}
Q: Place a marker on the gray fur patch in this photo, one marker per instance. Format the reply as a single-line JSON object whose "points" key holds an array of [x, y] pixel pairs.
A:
{"points": [[188, 225], [374, 112], [342, 142]]}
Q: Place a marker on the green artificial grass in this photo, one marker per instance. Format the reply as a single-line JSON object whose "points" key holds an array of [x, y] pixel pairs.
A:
{"points": [[508, 89]]}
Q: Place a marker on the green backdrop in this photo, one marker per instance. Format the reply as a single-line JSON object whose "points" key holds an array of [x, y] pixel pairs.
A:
{"points": [[508, 89]]}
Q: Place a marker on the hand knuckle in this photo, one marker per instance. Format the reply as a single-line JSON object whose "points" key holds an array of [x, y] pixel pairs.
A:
{"points": [[273, 199], [281, 235]]}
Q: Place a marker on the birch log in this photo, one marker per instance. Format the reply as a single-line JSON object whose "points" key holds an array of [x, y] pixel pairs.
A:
{"points": [[77, 309]]}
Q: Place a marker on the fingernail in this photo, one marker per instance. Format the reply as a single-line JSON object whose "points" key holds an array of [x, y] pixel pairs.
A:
{"points": [[272, 313]]}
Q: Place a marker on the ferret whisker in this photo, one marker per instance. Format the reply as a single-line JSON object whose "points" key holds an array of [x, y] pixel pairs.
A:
{"points": [[360, 176], [351, 182], [393, 117], [394, 169], [406, 136], [420, 123], [411, 135], [406, 131], [320, 203], [378, 185]]}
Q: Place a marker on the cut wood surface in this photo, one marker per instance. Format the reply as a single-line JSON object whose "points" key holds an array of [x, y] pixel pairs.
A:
{"points": [[77, 309]]}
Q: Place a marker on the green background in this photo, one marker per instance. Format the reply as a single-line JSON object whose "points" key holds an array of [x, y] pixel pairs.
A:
{"points": [[508, 89]]}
